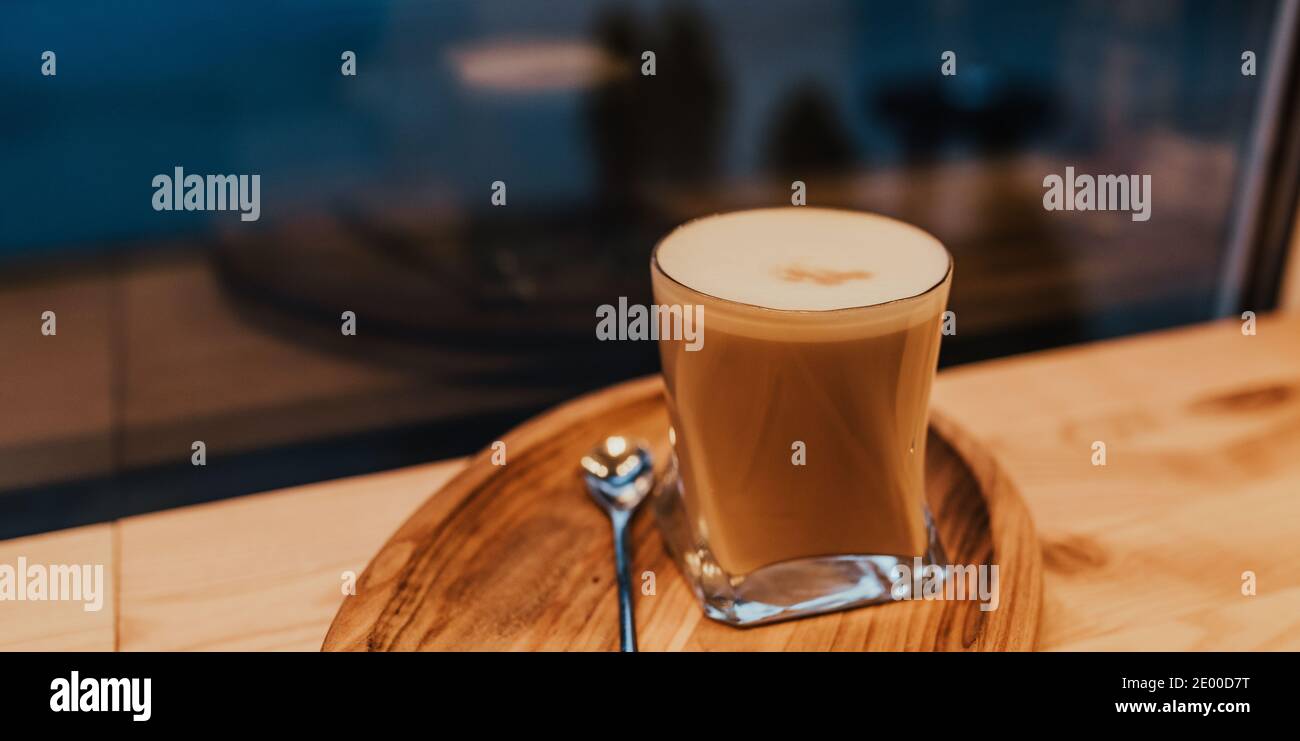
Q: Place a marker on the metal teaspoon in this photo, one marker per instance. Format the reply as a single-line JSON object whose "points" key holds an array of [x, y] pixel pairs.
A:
{"points": [[619, 474]]}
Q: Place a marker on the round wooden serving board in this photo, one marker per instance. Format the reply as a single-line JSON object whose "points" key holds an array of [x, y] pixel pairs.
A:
{"points": [[517, 557]]}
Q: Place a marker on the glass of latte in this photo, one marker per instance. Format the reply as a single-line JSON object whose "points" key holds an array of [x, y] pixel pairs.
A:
{"points": [[799, 421]]}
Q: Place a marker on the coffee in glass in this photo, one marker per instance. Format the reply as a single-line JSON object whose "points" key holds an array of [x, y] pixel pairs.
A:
{"points": [[799, 423]]}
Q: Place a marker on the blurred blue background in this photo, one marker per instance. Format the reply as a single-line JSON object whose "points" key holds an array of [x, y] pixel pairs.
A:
{"points": [[255, 87]]}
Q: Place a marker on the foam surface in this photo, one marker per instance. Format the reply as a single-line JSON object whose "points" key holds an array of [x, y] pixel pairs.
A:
{"points": [[803, 259]]}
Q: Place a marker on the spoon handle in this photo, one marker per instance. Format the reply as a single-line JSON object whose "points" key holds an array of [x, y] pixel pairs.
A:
{"points": [[619, 519]]}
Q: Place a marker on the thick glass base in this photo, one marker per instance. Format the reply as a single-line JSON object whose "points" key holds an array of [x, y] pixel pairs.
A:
{"points": [[782, 591]]}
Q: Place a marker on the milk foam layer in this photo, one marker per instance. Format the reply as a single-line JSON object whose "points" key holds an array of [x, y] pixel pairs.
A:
{"points": [[803, 259]]}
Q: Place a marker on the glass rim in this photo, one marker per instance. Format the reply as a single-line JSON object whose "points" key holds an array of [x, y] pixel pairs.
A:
{"points": [[657, 268]]}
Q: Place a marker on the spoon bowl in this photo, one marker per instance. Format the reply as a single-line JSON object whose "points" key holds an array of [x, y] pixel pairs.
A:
{"points": [[619, 473]]}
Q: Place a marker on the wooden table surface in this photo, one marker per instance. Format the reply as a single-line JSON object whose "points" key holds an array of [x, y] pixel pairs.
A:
{"points": [[1201, 485]]}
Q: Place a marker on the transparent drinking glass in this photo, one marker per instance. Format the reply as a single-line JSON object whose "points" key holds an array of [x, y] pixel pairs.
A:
{"points": [[797, 483]]}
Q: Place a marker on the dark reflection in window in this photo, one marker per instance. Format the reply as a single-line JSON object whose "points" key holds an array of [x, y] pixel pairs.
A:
{"points": [[376, 199]]}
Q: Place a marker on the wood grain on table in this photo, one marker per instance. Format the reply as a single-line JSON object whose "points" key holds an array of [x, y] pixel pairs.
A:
{"points": [[1201, 484]]}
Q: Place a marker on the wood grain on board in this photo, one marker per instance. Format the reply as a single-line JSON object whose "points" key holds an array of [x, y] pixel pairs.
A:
{"points": [[516, 557]]}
